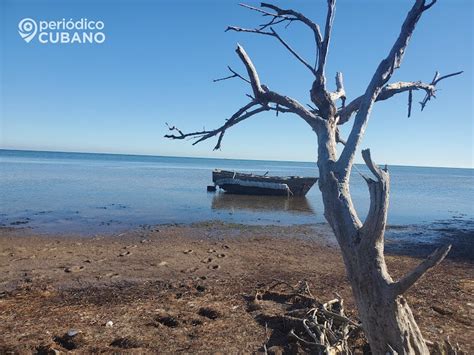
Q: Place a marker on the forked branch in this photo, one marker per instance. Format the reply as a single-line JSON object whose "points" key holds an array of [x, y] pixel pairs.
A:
{"points": [[279, 15], [435, 81], [234, 75], [262, 96], [292, 15], [381, 76], [390, 90], [239, 116], [273, 33]]}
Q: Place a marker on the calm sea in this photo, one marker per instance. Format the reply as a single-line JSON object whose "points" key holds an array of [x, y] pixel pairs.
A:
{"points": [[90, 193]]}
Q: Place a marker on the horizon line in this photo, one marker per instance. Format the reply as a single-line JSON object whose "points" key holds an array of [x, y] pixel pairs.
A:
{"points": [[200, 157]]}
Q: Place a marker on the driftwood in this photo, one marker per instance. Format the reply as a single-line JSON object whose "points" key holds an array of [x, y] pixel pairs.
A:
{"points": [[386, 317], [320, 328]]}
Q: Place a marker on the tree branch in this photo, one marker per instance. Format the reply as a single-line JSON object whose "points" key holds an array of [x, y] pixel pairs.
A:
{"points": [[273, 33], [292, 51], [435, 81], [381, 76], [379, 191], [234, 75], [409, 280], [263, 96], [276, 19], [340, 93], [390, 90], [410, 102], [237, 117], [339, 138], [327, 36], [251, 71], [319, 95], [296, 16]]}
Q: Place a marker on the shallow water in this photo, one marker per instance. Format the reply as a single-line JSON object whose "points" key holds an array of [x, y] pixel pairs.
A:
{"points": [[91, 193]]}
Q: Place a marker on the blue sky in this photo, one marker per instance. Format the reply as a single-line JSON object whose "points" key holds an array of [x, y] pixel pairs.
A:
{"points": [[159, 59]]}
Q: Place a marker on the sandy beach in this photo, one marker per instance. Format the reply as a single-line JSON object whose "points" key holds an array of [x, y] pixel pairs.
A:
{"points": [[186, 288]]}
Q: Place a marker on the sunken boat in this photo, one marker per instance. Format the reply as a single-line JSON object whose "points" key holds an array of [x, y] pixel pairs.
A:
{"points": [[252, 184]]}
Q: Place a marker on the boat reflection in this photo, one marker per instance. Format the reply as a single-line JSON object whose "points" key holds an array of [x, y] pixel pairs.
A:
{"points": [[223, 201]]}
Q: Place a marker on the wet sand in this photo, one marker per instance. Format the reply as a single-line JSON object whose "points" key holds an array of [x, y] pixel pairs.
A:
{"points": [[186, 288]]}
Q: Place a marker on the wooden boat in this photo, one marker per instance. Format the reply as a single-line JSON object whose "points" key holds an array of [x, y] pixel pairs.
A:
{"points": [[251, 184]]}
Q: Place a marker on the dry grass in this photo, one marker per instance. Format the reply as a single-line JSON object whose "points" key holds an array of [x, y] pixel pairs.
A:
{"points": [[186, 289]]}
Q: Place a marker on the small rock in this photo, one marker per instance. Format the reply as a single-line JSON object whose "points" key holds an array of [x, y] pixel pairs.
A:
{"points": [[72, 332], [163, 263], [74, 269], [109, 324]]}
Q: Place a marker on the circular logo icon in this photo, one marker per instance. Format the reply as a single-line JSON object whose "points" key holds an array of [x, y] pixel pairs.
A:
{"points": [[27, 29]]}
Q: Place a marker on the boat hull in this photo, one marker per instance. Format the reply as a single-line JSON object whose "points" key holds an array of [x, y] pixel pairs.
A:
{"points": [[250, 184], [250, 190]]}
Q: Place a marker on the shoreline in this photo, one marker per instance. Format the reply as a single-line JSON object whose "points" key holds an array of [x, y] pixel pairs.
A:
{"points": [[49, 285], [413, 239]]}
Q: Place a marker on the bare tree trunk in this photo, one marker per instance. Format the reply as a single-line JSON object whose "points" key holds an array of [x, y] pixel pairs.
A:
{"points": [[386, 318]]}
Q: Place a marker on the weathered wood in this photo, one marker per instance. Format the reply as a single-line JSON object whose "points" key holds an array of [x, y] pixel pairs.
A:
{"points": [[386, 317], [296, 185]]}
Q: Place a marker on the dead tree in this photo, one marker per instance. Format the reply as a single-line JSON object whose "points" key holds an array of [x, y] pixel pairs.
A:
{"points": [[386, 317]]}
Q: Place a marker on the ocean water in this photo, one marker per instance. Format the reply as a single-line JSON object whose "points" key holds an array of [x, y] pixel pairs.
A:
{"points": [[92, 193]]}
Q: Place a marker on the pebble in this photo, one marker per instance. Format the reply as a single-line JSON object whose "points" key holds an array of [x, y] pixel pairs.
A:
{"points": [[74, 269], [72, 332], [109, 324]]}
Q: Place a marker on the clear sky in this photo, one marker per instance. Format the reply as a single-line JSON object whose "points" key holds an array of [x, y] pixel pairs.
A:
{"points": [[159, 59]]}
